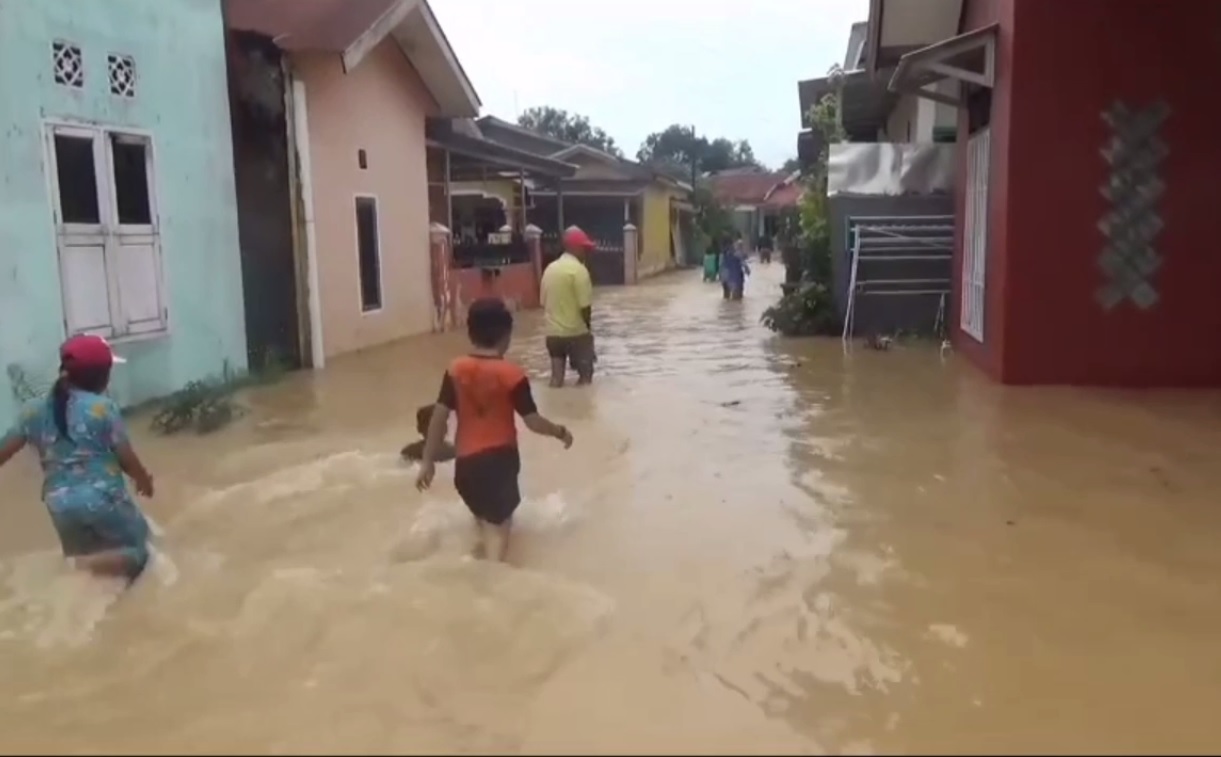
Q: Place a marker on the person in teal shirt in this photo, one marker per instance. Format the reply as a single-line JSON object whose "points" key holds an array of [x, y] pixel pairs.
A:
{"points": [[84, 451]]}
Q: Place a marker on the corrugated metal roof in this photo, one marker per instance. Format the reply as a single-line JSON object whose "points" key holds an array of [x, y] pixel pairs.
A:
{"points": [[322, 25]]}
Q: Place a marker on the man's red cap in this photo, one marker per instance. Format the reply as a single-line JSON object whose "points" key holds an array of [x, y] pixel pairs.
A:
{"points": [[576, 239], [88, 351]]}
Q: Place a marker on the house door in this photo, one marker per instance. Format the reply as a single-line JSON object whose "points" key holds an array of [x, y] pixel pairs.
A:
{"points": [[975, 234], [107, 236]]}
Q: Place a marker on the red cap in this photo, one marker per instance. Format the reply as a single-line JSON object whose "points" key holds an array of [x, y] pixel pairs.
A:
{"points": [[88, 351], [575, 239]]}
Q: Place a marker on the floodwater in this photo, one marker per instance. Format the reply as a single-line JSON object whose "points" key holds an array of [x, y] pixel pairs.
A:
{"points": [[755, 546]]}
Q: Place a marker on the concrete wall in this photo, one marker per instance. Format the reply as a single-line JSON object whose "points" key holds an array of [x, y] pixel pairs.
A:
{"points": [[179, 50], [1043, 323], [655, 233], [392, 103], [915, 119]]}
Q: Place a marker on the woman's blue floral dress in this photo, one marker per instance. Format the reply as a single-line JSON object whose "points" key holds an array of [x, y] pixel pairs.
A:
{"points": [[83, 485]]}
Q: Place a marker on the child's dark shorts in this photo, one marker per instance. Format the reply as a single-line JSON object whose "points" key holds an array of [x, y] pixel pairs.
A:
{"points": [[487, 483]]}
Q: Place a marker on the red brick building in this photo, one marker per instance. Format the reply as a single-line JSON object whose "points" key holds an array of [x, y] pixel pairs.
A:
{"points": [[1088, 223]]}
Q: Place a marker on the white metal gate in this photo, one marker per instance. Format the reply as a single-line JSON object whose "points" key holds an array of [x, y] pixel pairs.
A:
{"points": [[899, 257], [975, 234]]}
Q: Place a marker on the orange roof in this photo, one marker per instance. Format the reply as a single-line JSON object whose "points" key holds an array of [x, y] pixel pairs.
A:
{"points": [[785, 196], [743, 188]]}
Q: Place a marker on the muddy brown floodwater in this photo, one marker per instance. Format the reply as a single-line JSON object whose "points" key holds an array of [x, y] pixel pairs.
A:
{"points": [[756, 546]]}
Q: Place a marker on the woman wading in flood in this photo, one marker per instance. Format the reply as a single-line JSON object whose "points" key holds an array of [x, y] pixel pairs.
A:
{"points": [[82, 444]]}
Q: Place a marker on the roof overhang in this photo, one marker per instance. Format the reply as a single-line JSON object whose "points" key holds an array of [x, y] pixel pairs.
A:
{"points": [[493, 156], [865, 102], [897, 27], [968, 58], [414, 27], [598, 188]]}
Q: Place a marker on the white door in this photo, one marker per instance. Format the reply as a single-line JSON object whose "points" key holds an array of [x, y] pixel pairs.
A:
{"points": [[975, 235]]}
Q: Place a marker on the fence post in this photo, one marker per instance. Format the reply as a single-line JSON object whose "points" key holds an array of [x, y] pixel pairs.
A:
{"points": [[534, 243], [631, 242], [441, 257]]}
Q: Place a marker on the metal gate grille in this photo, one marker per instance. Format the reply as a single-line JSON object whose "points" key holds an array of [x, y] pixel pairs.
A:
{"points": [[900, 273]]}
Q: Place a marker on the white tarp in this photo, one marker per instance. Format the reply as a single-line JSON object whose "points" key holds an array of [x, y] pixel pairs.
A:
{"points": [[886, 168]]}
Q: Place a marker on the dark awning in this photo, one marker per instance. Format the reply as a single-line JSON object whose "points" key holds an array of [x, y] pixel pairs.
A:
{"points": [[472, 150], [865, 102], [968, 58], [598, 188]]}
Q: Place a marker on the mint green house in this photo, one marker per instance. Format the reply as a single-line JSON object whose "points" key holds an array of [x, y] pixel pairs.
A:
{"points": [[117, 206]]}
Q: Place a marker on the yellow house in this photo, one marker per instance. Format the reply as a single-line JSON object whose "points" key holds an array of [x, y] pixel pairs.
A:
{"points": [[605, 195]]}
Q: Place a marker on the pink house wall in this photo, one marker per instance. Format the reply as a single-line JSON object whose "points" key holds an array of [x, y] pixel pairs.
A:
{"points": [[380, 108]]}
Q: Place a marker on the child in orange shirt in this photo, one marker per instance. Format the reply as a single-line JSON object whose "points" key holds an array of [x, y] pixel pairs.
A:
{"points": [[486, 391]]}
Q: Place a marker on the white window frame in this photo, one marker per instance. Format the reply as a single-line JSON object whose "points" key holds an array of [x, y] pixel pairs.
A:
{"points": [[975, 235], [381, 270], [109, 232]]}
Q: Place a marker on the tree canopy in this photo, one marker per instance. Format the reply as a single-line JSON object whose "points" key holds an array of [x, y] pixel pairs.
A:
{"points": [[569, 127], [681, 144]]}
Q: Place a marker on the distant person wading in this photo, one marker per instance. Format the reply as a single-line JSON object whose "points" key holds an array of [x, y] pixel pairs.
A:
{"points": [[567, 293]]}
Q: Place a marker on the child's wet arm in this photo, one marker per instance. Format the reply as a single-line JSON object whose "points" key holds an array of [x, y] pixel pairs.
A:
{"points": [[438, 425], [523, 403]]}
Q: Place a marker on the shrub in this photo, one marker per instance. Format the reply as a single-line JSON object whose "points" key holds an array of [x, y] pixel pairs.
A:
{"points": [[809, 310]]}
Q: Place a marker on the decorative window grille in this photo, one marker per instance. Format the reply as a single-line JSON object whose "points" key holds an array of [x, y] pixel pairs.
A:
{"points": [[975, 234], [122, 75], [1133, 190], [68, 64]]}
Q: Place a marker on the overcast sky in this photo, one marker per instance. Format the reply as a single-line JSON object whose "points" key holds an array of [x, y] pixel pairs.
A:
{"points": [[636, 66]]}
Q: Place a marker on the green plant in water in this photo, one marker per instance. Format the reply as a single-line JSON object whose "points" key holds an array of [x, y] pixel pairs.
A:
{"points": [[807, 311], [808, 307], [210, 404]]}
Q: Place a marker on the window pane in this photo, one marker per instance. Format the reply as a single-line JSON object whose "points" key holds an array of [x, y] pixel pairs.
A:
{"points": [[130, 158], [369, 253], [78, 180]]}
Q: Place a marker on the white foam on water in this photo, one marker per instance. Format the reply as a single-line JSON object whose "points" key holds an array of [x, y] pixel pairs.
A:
{"points": [[48, 601], [445, 526], [471, 634], [338, 472], [52, 604]]}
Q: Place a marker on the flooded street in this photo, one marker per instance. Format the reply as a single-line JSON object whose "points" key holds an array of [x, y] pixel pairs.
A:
{"points": [[755, 546]]}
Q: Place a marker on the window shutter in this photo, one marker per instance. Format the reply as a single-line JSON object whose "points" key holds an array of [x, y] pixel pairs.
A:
{"points": [[85, 290]]}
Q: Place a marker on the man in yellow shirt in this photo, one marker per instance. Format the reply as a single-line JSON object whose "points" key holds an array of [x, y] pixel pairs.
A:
{"points": [[567, 294]]}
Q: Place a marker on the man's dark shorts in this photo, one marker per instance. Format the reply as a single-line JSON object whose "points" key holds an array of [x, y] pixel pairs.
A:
{"points": [[577, 350], [487, 483]]}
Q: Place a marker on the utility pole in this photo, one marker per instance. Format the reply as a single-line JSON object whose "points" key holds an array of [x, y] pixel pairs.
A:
{"points": [[694, 160]]}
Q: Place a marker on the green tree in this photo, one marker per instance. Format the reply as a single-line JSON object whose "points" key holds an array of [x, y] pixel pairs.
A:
{"points": [[680, 144], [815, 237], [808, 306], [713, 221], [568, 127]]}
